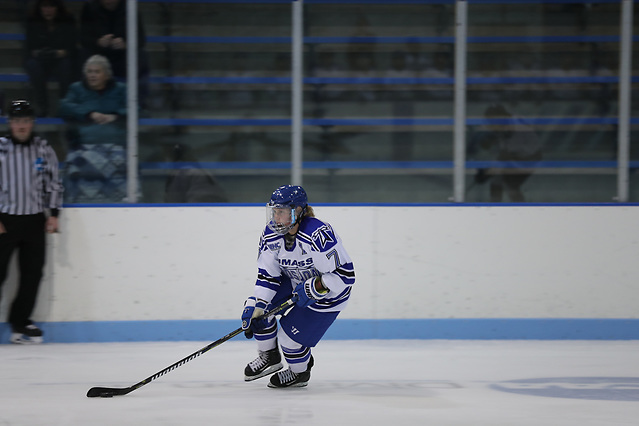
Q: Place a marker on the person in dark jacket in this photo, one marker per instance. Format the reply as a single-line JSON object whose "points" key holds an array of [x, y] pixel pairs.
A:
{"points": [[103, 32], [95, 109], [189, 182], [515, 144], [50, 49]]}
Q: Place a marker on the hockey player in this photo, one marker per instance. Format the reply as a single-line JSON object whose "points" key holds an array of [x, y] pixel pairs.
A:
{"points": [[299, 256]]}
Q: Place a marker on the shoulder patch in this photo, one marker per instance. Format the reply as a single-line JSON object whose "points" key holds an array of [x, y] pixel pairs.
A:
{"points": [[324, 237], [317, 233]]}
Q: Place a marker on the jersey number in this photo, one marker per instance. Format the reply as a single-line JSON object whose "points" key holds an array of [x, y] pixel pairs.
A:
{"points": [[333, 253]]}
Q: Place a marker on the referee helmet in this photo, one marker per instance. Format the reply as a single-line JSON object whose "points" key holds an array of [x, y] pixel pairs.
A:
{"points": [[20, 108]]}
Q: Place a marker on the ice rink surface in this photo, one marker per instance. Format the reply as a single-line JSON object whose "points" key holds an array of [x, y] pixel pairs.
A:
{"points": [[358, 382]]}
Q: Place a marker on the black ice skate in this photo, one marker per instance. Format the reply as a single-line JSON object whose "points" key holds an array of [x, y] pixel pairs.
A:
{"points": [[288, 379], [266, 363], [26, 335]]}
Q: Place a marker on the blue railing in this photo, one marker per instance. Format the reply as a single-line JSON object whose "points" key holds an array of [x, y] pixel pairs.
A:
{"points": [[23, 78], [388, 165], [376, 81], [366, 40], [351, 121]]}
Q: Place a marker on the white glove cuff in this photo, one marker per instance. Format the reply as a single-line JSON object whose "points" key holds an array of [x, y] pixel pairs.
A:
{"points": [[311, 291]]}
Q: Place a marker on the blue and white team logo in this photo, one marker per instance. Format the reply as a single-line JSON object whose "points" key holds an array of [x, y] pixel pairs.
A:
{"points": [[593, 388], [274, 246], [39, 164], [324, 235]]}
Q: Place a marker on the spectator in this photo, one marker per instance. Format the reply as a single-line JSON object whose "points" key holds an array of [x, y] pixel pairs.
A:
{"points": [[29, 206], [441, 66], [362, 61], [326, 65], [189, 184], [95, 109], [510, 141], [50, 49], [103, 32]]}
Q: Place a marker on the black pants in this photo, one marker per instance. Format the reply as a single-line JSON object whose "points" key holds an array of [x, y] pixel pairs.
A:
{"points": [[27, 235]]}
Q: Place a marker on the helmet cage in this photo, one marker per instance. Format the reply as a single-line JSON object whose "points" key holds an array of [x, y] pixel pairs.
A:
{"points": [[280, 218], [281, 214]]}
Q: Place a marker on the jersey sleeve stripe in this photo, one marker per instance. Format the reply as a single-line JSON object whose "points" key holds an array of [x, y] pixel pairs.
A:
{"points": [[306, 239], [330, 304], [267, 281], [346, 273]]}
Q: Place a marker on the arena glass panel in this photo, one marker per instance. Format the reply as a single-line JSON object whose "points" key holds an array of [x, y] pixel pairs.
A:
{"points": [[217, 123], [542, 102], [219, 86], [378, 102]]}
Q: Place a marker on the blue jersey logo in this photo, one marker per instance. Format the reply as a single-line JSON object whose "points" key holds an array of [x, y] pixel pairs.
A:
{"points": [[274, 246], [39, 164]]}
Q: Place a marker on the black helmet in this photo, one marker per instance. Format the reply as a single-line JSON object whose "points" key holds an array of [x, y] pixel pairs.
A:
{"points": [[20, 108]]}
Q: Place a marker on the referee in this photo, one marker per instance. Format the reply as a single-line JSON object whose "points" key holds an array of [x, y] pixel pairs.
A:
{"points": [[30, 199]]}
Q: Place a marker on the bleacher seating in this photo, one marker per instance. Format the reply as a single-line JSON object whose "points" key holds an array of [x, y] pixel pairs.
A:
{"points": [[220, 82]]}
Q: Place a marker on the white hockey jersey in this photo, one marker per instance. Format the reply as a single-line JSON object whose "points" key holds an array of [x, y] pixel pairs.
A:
{"points": [[318, 251]]}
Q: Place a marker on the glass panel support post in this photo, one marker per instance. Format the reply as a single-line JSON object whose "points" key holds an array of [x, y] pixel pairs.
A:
{"points": [[459, 131], [296, 92], [132, 101], [623, 137]]}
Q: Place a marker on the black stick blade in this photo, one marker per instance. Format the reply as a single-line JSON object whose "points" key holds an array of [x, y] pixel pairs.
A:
{"points": [[107, 392]]}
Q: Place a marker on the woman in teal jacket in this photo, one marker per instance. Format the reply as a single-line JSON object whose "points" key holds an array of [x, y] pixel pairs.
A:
{"points": [[95, 109]]}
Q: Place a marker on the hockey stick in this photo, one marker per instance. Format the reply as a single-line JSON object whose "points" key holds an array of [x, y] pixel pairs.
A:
{"points": [[109, 392]]}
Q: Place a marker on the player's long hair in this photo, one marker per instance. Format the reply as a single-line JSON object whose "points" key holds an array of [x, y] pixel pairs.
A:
{"points": [[309, 212]]}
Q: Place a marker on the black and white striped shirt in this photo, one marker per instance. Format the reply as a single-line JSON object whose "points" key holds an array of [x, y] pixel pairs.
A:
{"points": [[29, 179]]}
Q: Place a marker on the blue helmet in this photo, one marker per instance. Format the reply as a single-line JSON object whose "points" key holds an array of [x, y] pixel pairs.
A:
{"points": [[289, 195], [281, 214]]}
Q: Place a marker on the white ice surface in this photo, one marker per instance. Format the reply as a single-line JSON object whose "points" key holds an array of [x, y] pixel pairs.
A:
{"points": [[377, 382]]}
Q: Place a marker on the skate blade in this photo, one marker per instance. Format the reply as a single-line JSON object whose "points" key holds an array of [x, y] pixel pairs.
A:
{"points": [[20, 339], [272, 369], [295, 385]]}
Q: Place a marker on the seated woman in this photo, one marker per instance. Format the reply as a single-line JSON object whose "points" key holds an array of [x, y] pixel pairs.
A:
{"points": [[95, 109]]}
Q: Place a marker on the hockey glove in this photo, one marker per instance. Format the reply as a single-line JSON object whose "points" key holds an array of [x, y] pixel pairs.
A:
{"points": [[307, 294], [253, 308]]}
